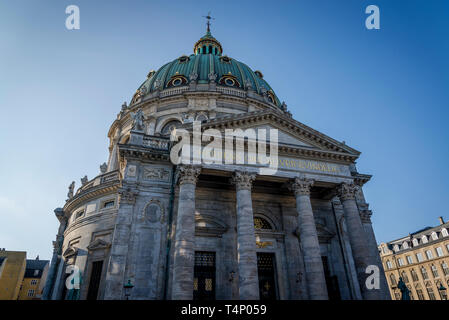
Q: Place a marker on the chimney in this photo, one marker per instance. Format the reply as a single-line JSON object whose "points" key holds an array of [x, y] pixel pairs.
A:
{"points": [[441, 220]]}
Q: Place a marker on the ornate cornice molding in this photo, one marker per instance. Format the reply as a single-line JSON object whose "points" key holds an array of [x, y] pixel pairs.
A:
{"points": [[301, 186], [347, 191], [187, 174], [243, 180]]}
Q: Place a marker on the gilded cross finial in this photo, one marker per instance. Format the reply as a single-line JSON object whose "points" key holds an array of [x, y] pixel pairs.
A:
{"points": [[209, 18]]}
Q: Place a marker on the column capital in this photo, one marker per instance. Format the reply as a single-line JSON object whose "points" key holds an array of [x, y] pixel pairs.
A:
{"points": [[243, 180], [347, 191], [301, 186], [127, 195], [188, 174]]}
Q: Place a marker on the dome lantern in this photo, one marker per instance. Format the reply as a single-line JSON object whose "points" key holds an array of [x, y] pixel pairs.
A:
{"points": [[208, 44]]}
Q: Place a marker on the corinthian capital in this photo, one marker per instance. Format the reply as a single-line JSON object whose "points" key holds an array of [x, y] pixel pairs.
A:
{"points": [[243, 180], [188, 174], [301, 186], [347, 191], [365, 216]]}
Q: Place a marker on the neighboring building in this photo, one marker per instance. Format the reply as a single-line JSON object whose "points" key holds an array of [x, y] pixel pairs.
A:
{"points": [[422, 260], [12, 269], [34, 279], [215, 231]]}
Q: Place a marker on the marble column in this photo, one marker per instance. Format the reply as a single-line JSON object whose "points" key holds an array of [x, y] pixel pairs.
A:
{"points": [[246, 239], [316, 281], [358, 239], [184, 254]]}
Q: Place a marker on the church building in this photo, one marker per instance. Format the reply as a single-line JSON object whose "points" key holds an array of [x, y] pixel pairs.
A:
{"points": [[147, 228]]}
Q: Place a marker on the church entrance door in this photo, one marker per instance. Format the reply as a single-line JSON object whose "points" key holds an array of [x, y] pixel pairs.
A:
{"points": [[266, 272], [204, 276]]}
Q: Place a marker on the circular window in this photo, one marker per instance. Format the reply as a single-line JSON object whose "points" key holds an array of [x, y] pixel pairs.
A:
{"points": [[177, 82], [229, 82]]}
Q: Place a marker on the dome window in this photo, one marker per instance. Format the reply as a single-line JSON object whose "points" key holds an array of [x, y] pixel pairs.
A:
{"points": [[183, 59], [177, 80], [151, 73], [230, 81], [225, 59], [259, 74], [271, 97]]}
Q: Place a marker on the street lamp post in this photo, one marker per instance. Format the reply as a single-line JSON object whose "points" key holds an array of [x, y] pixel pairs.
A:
{"points": [[128, 286]]}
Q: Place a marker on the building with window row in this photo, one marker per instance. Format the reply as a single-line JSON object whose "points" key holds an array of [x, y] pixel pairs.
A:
{"points": [[421, 259]]}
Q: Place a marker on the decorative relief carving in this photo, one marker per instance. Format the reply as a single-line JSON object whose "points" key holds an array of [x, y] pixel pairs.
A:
{"points": [[153, 212], [156, 174], [98, 244], [127, 195], [301, 186], [347, 191], [263, 244], [132, 169], [138, 123], [243, 180], [188, 174]]}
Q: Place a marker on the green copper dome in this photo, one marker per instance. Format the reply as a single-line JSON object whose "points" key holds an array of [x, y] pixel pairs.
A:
{"points": [[207, 64]]}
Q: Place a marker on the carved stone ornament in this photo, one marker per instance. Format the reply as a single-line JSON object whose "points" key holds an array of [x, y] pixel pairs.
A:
{"points": [[188, 174], [153, 212], [71, 189], [193, 76], [98, 244], [103, 168], [365, 216], [347, 191], [301, 186], [128, 195], [212, 77], [137, 117], [156, 174], [243, 180], [84, 180]]}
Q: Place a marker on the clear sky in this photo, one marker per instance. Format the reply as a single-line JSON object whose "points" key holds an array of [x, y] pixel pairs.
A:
{"points": [[384, 92]]}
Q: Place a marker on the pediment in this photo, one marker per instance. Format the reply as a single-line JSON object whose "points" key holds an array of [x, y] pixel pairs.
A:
{"points": [[70, 252], [291, 133], [206, 225], [98, 245]]}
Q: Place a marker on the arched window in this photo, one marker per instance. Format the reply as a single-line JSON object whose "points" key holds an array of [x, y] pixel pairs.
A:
{"points": [[170, 126], [210, 49], [434, 236], [389, 264], [415, 242], [204, 49], [261, 223], [393, 279], [405, 245], [424, 239], [396, 248], [444, 232]]}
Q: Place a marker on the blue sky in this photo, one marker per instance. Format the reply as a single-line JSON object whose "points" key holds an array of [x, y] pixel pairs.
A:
{"points": [[384, 92]]}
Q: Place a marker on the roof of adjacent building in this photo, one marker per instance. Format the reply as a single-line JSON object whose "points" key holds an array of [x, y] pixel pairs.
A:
{"points": [[420, 237], [35, 264]]}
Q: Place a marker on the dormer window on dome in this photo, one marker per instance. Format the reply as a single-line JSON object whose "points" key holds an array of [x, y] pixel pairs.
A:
{"points": [[177, 80], [183, 59], [259, 74], [229, 80], [151, 73]]}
